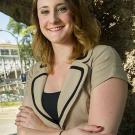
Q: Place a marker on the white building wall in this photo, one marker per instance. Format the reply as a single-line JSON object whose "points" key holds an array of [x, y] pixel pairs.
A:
{"points": [[9, 62]]}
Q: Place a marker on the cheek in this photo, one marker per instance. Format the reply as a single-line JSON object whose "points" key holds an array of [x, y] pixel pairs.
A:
{"points": [[69, 22], [68, 19], [42, 24], [41, 21]]}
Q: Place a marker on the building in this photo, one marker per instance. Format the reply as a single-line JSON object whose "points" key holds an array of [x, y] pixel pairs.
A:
{"points": [[10, 66], [9, 60], [13, 70]]}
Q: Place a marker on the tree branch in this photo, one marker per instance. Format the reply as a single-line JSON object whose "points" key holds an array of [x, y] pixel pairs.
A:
{"points": [[20, 10]]}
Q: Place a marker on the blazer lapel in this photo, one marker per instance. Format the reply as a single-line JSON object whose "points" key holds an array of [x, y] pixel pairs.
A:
{"points": [[71, 89], [37, 88]]}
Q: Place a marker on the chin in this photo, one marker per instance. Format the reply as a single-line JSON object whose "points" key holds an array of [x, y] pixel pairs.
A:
{"points": [[57, 40]]}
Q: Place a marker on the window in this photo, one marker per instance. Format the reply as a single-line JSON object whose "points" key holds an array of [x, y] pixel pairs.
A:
{"points": [[4, 52], [14, 52]]}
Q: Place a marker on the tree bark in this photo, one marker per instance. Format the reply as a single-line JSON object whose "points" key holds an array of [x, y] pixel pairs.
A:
{"points": [[20, 10]]}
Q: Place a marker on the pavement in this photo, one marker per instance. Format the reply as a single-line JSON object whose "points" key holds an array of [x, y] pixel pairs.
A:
{"points": [[7, 120]]}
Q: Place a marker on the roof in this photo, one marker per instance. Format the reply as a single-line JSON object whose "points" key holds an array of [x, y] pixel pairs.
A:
{"points": [[8, 46]]}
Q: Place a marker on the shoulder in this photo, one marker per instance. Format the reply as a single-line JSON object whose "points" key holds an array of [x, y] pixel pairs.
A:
{"points": [[104, 50], [106, 63], [104, 53], [35, 69]]}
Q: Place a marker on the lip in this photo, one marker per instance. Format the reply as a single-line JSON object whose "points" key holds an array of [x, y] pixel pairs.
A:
{"points": [[54, 29]]}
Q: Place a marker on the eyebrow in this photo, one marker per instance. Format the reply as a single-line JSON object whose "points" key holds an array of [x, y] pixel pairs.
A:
{"points": [[59, 4], [43, 7]]}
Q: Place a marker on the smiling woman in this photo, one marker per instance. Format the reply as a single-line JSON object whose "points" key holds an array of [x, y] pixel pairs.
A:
{"points": [[75, 78], [56, 24]]}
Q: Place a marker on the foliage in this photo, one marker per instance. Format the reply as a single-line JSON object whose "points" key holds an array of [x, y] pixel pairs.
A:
{"points": [[129, 65], [8, 104], [26, 56], [115, 17], [15, 27], [127, 126], [24, 35]]}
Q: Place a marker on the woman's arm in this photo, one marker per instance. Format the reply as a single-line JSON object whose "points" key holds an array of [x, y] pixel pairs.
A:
{"points": [[107, 105], [73, 131], [28, 131], [83, 129], [29, 123]]}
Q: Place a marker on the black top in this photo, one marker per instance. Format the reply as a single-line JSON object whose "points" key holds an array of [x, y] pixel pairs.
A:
{"points": [[49, 102]]}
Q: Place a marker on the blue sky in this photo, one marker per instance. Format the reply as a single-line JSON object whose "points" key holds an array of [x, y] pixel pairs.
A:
{"points": [[5, 36]]}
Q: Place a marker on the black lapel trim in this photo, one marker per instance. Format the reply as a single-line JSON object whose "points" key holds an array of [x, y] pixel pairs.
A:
{"points": [[85, 57], [82, 72], [89, 57], [82, 57], [32, 88]]}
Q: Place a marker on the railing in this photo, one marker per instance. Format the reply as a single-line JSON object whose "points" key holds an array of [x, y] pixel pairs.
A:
{"points": [[13, 91]]}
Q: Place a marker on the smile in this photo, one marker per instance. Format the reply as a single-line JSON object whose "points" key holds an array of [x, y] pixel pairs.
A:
{"points": [[56, 28]]}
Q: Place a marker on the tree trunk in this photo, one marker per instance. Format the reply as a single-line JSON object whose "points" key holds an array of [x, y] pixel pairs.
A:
{"points": [[20, 10]]}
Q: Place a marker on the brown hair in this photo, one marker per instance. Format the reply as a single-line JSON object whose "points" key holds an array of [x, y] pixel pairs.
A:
{"points": [[86, 33]]}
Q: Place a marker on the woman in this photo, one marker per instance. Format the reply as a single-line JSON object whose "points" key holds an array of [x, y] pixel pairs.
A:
{"points": [[77, 87]]}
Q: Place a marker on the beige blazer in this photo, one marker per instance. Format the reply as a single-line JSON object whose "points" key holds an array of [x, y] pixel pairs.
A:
{"points": [[100, 64]]}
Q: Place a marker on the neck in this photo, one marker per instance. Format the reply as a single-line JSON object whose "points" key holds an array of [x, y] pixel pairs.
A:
{"points": [[62, 52]]}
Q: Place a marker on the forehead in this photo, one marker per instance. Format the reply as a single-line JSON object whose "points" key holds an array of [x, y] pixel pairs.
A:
{"points": [[49, 3]]}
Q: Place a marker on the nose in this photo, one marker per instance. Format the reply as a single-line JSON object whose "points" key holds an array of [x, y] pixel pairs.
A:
{"points": [[53, 18]]}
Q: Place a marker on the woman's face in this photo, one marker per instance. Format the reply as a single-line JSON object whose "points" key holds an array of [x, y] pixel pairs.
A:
{"points": [[55, 20]]}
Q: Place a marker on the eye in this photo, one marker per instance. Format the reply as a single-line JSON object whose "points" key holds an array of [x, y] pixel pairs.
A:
{"points": [[62, 9], [44, 12]]}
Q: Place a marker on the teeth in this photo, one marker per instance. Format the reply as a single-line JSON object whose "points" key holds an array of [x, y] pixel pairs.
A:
{"points": [[56, 28]]}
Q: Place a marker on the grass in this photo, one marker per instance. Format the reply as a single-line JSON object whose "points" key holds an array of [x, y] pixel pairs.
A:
{"points": [[10, 104]]}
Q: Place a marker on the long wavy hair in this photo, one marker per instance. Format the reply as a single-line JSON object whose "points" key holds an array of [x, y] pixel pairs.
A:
{"points": [[86, 33]]}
